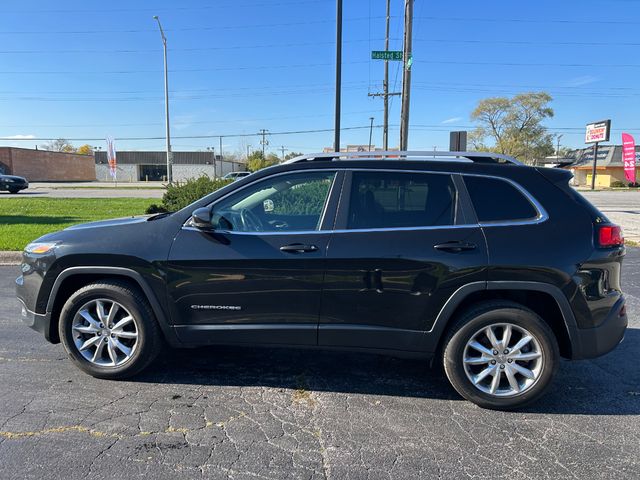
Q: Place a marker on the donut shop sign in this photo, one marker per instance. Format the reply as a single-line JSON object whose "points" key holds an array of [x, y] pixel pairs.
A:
{"points": [[598, 132]]}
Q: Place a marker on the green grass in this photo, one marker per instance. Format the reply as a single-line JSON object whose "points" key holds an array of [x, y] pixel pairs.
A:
{"points": [[25, 219]]}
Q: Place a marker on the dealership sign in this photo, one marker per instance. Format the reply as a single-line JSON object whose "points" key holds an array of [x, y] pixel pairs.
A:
{"points": [[629, 157], [598, 132]]}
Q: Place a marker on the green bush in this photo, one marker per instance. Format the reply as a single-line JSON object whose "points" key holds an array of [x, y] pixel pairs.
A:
{"points": [[181, 194]]}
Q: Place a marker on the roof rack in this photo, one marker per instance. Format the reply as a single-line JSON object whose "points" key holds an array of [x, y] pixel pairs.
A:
{"points": [[477, 157]]}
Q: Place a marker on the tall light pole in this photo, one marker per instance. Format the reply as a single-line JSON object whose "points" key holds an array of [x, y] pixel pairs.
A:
{"points": [[370, 131], [166, 103]]}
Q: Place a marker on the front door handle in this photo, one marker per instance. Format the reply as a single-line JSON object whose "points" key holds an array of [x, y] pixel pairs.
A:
{"points": [[298, 248], [455, 247]]}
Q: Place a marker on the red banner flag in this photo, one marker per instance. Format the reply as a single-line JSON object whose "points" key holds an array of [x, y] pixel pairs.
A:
{"points": [[629, 157]]}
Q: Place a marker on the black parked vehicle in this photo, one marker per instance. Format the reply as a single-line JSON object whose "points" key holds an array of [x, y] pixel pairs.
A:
{"points": [[12, 183], [495, 268]]}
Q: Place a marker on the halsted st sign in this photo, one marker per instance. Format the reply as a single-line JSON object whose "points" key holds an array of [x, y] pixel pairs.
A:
{"points": [[386, 55], [598, 132]]}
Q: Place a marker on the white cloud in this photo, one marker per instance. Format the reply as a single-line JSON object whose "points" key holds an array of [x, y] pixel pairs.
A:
{"points": [[580, 81], [452, 120], [19, 137]]}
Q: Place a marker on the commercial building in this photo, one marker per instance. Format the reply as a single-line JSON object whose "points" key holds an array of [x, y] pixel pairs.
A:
{"points": [[133, 166], [45, 166], [609, 167]]}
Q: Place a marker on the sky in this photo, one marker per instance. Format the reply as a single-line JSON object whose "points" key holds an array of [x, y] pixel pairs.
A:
{"points": [[85, 70]]}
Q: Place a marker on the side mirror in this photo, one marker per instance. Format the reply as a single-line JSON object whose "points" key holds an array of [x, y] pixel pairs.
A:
{"points": [[201, 218]]}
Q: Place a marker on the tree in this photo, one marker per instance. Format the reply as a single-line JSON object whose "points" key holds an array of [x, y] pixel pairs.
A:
{"points": [[291, 155], [256, 161], [85, 149], [59, 145], [514, 126]]}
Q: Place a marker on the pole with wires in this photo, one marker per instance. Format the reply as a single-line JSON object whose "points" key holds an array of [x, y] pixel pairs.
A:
{"points": [[385, 86], [264, 142], [406, 75], [336, 128]]}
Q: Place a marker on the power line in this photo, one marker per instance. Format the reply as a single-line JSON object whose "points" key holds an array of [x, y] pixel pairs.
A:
{"points": [[525, 20], [182, 29], [126, 72], [262, 133], [192, 49], [217, 6]]}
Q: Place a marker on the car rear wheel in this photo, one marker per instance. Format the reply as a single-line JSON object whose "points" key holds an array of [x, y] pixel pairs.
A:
{"points": [[500, 355], [14, 190], [109, 330]]}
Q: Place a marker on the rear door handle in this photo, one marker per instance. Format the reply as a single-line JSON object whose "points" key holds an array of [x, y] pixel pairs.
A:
{"points": [[455, 247], [298, 248]]}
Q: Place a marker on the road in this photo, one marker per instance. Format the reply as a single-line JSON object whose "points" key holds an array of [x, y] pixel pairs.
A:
{"points": [[248, 413], [89, 190], [621, 206]]}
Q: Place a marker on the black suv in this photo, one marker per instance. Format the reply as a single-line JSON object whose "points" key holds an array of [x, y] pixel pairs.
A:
{"points": [[495, 268]]}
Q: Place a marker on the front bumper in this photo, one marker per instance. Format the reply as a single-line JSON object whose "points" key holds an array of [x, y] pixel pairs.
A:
{"points": [[39, 322], [594, 342]]}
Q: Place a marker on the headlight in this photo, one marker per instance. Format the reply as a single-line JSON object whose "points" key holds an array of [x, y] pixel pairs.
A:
{"points": [[40, 247]]}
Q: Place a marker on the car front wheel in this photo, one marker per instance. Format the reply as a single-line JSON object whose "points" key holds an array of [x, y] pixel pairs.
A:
{"points": [[500, 355], [109, 330]]}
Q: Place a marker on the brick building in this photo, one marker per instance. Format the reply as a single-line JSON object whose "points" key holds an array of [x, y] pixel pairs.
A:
{"points": [[45, 166]]}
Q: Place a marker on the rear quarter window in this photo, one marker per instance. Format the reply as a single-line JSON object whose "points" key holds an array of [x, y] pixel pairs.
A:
{"points": [[497, 200]]}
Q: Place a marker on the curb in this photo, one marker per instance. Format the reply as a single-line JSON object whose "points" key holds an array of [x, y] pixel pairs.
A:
{"points": [[10, 258]]}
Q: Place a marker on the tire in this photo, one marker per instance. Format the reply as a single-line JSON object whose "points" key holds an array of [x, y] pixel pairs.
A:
{"points": [[13, 191], [472, 371], [117, 353]]}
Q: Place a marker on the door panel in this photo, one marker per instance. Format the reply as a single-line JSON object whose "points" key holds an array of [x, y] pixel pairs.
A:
{"points": [[258, 276], [405, 243], [383, 289], [226, 279]]}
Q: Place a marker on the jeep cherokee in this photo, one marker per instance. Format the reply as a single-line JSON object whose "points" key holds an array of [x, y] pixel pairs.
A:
{"points": [[494, 268]]}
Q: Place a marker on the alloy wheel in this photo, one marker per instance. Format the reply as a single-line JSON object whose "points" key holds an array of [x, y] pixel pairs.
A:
{"points": [[105, 333], [503, 360]]}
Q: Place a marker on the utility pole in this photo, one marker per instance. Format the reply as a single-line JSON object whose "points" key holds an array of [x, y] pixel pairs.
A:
{"points": [[558, 148], [283, 150], [370, 131], [406, 74], [264, 142], [213, 156], [248, 149], [385, 87], [166, 103], [336, 138]]}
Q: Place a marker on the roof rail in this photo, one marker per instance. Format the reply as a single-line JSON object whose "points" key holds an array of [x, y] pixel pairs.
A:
{"points": [[477, 157]]}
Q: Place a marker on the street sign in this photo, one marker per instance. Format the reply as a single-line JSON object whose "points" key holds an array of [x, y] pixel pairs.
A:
{"points": [[598, 132], [386, 55]]}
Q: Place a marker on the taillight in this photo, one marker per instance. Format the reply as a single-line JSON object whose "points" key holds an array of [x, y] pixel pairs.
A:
{"points": [[610, 236]]}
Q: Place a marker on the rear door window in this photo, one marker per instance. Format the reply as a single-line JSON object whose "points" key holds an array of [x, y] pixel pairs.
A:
{"points": [[497, 200], [401, 199]]}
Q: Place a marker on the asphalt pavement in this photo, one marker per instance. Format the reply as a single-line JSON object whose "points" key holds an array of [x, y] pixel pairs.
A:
{"points": [[271, 414]]}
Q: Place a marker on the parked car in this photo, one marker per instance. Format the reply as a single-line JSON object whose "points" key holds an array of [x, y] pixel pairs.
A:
{"points": [[12, 183], [493, 268], [236, 175]]}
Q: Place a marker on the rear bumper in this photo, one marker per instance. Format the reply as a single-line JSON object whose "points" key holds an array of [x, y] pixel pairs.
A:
{"points": [[39, 322], [594, 342]]}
